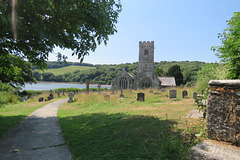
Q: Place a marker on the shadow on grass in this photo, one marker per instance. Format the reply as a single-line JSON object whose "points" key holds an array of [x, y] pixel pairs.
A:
{"points": [[121, 136], [9, 122]]}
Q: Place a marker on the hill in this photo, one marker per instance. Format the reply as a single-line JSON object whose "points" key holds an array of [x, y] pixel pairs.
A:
{"points": [[67, 69], [103, 74]]}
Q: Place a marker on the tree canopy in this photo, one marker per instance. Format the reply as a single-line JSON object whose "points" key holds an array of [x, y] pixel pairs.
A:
{"points": [[31, 29], [229, 50], [175, 71]]}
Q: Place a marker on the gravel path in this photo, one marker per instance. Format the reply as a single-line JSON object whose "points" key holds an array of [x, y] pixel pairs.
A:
{"points": [[38, 137]]}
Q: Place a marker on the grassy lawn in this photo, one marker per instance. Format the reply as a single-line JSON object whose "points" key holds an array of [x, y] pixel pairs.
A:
{"points": [[126, 129], [67, 69], [13, 114]]}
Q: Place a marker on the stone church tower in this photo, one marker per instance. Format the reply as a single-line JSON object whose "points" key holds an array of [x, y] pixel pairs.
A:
{"points": [[146, 70]]}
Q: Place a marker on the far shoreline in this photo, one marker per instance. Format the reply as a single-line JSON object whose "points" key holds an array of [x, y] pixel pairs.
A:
{"points": [[72, 83]]}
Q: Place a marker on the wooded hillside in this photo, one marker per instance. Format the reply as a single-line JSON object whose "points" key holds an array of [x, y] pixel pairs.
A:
{"points": [[103, 74]]}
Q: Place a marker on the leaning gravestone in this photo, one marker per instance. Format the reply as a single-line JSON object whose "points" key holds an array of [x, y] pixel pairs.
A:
{"points": [[141, 97], [70, 95], [87, 86], [172, 93], [112, 88], [184, 94]]}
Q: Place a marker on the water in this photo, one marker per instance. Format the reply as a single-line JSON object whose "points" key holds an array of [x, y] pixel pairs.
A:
{"points": [[48, 86]]}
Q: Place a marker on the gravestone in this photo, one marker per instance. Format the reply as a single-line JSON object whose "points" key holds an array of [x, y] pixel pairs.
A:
{"points": [[99, 87], [40, 99], [151, 91], [58, 93], [87, 86], [163, 90], [25, 98], [107, 97], [121, 95], [194, 95], [181, 86], [63, 92], [141, 97], [172, 93], [70, 95], [184, 94], [113, 88]]}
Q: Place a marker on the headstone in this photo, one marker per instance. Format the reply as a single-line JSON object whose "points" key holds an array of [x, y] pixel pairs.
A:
{"points": [[157, 93], [40, 99], [163, 90], [141, 97], [25, 98], [99, 87], [112, 88], [63, 92], [184, 94], [58, 94], [50, 96], [151, 91], [172, 93], [87, 86], [106, 89], [107, 97], [70, 95], [194, 95], [121, 95]]}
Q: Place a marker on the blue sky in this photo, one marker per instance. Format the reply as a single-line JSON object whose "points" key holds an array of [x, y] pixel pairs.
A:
{"points": [[182, 30]]}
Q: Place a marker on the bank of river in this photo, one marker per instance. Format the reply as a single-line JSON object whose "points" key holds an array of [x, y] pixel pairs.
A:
{"points": [[52, 85]]}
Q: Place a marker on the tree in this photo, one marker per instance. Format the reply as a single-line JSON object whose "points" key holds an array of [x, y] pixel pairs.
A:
{"points": [[209, 72], [229, 50], [175, 71], [31, 29], [15, 70], [159, 72]]}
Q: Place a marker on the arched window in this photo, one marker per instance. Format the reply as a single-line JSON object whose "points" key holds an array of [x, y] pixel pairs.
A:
{"points": [[145, 52], [123, 83]]}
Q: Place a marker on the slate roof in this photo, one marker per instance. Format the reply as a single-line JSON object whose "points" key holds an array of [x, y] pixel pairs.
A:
{"points": [[167, 81]]}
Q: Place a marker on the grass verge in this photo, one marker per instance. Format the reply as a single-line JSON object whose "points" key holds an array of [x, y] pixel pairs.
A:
{"points": [[13, 114]]}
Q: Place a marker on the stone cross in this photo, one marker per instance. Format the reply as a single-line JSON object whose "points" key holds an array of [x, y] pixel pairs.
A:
{"points": [[99, 87], [87, 86], [70, 95]]}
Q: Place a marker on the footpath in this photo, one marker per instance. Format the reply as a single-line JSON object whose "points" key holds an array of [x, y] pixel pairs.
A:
{"points": [[38, 137]]}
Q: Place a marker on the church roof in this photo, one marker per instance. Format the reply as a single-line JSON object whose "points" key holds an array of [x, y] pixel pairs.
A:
{"points": [[167, 81]]}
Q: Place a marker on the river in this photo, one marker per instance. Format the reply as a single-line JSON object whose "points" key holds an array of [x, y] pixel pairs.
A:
{"points": [[48, 86]]}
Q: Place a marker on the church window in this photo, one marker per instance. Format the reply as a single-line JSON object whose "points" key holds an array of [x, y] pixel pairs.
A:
{"points": [[145, 52]]}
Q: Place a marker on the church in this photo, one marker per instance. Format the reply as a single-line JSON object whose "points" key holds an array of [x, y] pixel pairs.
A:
{"points": [[145, 72]]}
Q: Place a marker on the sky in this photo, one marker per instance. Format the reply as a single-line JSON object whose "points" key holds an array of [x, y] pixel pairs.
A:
{"points": [[182, 30]]}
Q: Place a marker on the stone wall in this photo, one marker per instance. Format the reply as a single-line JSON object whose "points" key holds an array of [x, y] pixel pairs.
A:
{"points": [[223, 111]]}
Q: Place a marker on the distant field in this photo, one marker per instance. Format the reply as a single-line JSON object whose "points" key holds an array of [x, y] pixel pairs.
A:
{"points": [[67, 69]]}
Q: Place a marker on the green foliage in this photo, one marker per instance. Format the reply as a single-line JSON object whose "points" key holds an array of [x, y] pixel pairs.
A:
{"points": [[209, 72], [175, 71], [39, 26], [15, 70], [159, 72], [229, 50]]}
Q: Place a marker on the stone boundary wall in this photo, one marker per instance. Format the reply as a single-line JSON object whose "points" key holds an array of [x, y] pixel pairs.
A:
{"points": [[223, 111]]}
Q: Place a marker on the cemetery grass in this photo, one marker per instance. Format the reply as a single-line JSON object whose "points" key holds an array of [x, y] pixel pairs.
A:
{"points": [[68, 69], [127, 129], [13, 114]]}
